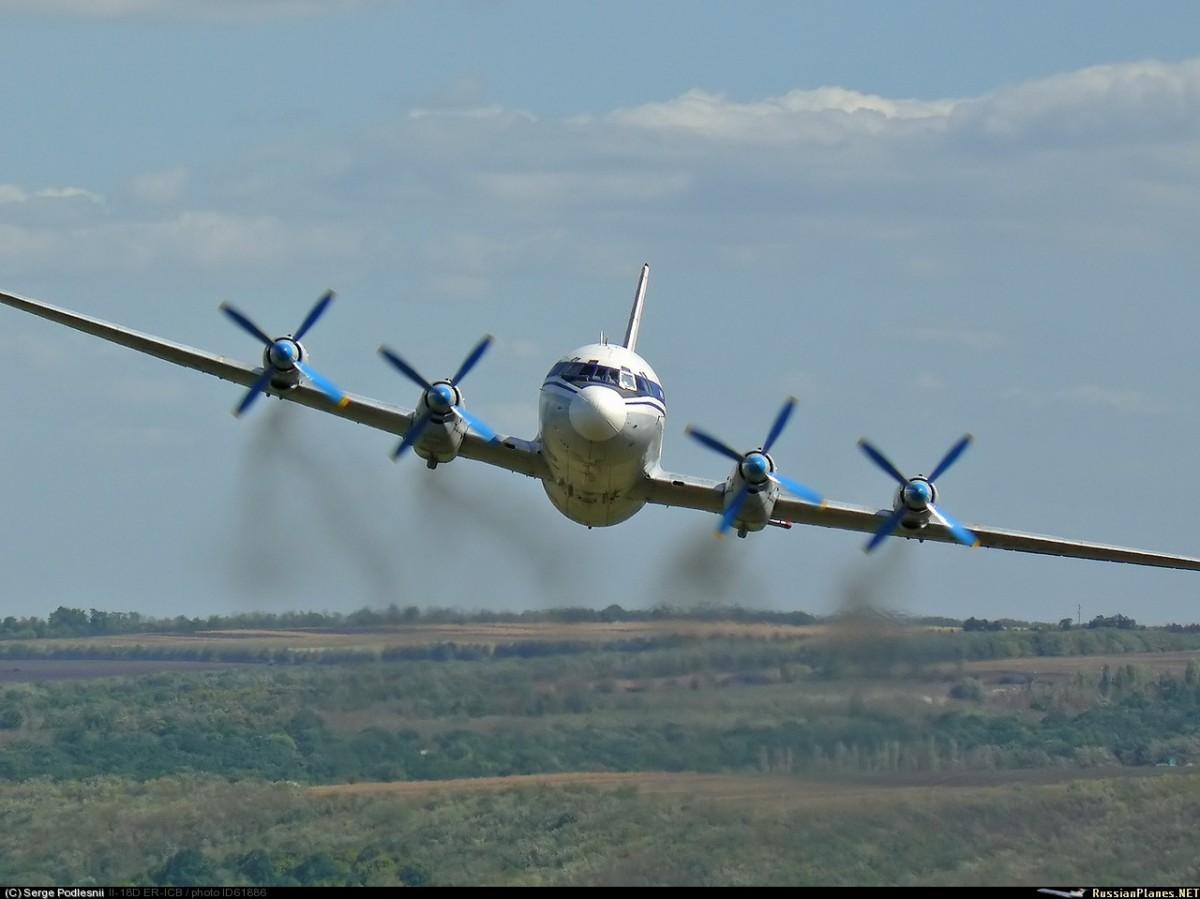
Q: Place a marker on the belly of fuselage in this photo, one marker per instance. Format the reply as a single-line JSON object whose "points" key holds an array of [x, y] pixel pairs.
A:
{"points": [[591, 481]]}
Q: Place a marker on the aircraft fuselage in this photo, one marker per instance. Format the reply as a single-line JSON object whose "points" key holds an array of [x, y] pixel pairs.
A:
{"points": [[602, 413]]}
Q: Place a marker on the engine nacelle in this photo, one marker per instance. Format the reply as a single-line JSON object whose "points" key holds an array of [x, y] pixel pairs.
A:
{"points": [[280, 358], [442, 437], [914, 500], [753, 475]]}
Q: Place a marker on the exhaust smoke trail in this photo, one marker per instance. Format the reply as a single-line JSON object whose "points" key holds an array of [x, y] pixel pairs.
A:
{"points": [[298, 506]]}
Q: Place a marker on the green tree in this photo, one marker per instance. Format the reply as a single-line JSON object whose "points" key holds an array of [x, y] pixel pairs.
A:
{"points": [[187, 867]]}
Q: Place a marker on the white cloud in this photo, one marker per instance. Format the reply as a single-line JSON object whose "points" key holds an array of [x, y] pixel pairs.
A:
{"points": [[15, 194], [1128, 102], [1121, 400], [192, 239], [70, 193], [751, 182], [539, 187], [823, 115], [161, 188]]}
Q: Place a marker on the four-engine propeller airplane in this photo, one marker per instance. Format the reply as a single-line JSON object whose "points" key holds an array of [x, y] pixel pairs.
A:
{"points": [[602, 413]]}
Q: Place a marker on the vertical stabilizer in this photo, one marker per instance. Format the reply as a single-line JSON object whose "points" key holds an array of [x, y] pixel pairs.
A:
{"points": [[635, 314]]}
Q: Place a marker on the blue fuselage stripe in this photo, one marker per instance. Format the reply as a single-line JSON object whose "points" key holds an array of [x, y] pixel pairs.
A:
{"points": [[570, 389]]}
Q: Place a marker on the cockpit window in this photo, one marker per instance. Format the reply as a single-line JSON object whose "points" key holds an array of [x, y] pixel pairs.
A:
{"points": [[577, 372]]}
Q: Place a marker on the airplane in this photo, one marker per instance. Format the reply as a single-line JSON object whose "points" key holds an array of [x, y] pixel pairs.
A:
{"points": [[602, 413]]}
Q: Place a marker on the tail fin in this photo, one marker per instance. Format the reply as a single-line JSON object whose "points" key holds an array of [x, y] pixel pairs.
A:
{"points": [[635, 314]]}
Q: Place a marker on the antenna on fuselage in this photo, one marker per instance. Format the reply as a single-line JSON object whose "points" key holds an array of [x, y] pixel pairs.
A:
{"points": [[635, 314]]}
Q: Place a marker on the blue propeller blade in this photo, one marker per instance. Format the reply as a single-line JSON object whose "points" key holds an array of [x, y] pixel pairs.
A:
{"points": [[255, 389], [951, 457], [246, 324], [961, 534], [404, 368], [885, 530], [316, 312], [882, 461], [411, 437], [731, 513], [469, 363], [322, 382], [781, 421], [714, 444], [475, 422], [795, 487]]}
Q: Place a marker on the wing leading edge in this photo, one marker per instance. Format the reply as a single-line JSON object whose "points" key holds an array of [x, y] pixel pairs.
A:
{"points": [[521, 456], [666, 489]]}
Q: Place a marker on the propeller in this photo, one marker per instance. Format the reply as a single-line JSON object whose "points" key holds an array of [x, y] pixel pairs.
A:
{"points": [[284, 354], [440, 397], [917, 495], [756, 467]]}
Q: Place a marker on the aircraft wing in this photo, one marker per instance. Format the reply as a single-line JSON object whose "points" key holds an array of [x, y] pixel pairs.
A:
{"points": [[521, 456], [667, 489]]}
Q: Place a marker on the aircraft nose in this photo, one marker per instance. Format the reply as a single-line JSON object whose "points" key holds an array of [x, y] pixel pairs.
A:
{"points": [[597, 413]]}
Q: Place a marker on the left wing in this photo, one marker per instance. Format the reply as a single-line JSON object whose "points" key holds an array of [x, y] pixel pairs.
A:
{"points": [[513, 454], [666, 489]]}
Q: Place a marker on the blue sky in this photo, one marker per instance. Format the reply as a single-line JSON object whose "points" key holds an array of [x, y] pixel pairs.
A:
{"points": [[920, 219]]}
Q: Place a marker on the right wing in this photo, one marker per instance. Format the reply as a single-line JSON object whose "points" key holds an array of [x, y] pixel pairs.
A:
{"points": [[511, 453], [709, 496]]}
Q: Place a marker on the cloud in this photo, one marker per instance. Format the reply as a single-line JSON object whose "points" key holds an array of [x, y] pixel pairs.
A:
{"points": [[17, 195], [1121, 400], [160, 188], [581, 188], [1125, 103], [189, 239], [465, 193], [824, 115]]}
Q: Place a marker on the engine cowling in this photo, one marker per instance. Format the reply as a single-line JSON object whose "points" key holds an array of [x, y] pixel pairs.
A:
{"points": [[442, 437], [914, 500], [915, 503], [753, 488], [280, 357], [752, 475]]}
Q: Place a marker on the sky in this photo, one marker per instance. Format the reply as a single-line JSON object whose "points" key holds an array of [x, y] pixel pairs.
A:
{"points": [[920, 219]]}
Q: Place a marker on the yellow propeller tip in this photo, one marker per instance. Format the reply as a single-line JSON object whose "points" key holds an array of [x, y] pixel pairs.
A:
{"points": [[344, 402]]}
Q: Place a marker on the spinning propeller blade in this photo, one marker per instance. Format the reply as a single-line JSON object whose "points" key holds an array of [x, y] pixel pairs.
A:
{"points": [[755, 464], [283, 354], [438, 397], [916, 495]]}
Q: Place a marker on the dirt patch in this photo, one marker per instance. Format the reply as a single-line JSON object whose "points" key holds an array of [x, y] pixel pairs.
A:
{"points": [[1050, 668], [41, 670], [755, 790]]}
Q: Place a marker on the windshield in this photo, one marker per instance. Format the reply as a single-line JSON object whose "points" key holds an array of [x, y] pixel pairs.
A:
{"points": [[623, 380]]}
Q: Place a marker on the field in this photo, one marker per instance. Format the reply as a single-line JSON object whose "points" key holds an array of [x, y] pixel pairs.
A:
{"points": [[756, 790], [652, 752]]}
